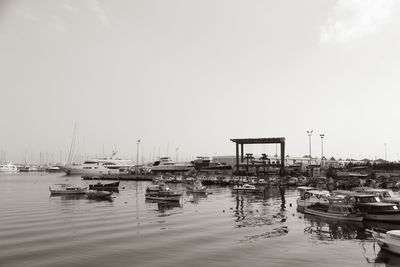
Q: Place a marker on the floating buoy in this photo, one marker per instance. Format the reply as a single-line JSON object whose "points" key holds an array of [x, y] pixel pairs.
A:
{"points": [[223, 210]]}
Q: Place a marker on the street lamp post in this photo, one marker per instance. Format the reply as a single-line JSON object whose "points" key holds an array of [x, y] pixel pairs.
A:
{"points": [[322, 149], [137, 156], [309, 142]]}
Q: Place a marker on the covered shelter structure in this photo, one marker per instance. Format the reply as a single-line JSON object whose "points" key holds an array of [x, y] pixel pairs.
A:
{"points": [[246, 141]]}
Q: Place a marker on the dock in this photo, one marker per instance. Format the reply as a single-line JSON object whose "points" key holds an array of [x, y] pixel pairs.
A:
{"points": [[121, 177]]}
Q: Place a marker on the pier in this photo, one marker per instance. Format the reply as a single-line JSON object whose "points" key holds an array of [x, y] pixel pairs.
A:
{"points": [[119, 176]]}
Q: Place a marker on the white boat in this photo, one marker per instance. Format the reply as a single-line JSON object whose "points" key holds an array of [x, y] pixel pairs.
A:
{"points": [[111, 165], [372, 205], [94, 194], [337, 209], [67, 189], [166, 164], [312, 196], [9, 167], [386, 195], [197, 187], [244, 188], [389, 241]]}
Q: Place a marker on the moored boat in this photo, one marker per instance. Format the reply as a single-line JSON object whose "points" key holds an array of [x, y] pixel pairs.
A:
{"points": [[372, 205], [310, 196], [95, 194], [105, 187], [67, 189], [386, 195], [9, 167], [337, 209], [244, 188], [389, 241], [162, 192], [197, 187]]}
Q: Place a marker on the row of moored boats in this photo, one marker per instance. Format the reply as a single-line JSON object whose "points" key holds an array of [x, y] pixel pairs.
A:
{"points": [[360, 204], [95, 191]]}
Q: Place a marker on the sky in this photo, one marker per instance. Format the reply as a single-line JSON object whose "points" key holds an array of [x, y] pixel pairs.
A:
{"points": [[186, 76]]}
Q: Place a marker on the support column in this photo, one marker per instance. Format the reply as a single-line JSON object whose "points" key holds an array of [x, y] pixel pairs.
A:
{"points": [[237, 157], [242, 153], [282, 154]]}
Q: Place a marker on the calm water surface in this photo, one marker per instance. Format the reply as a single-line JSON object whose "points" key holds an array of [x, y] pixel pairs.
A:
{"points": [[220, 229]]}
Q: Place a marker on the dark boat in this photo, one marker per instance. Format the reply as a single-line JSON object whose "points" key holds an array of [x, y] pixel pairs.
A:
{"points": [[105, 187]]}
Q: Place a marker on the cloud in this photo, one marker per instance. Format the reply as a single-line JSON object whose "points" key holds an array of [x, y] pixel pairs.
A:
{"points": [[354, 19], [99, 12], [69, 8]]}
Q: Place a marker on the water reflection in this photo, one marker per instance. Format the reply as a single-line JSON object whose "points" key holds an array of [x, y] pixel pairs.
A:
{"points": [[197, 197], [282, 195], [385, 258], [386, 226], [250, 212], [67, 198], [324, 229], [163, 206]]}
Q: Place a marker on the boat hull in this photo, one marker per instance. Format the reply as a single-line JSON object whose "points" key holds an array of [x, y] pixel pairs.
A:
{"points": [[388, 246], [337, 216], [68, 192], [383, 217], [169, 198], [98, 194], [106, 187]]}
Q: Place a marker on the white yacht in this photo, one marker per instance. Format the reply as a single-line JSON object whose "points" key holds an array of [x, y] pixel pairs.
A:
{"points": [[110, 165], [166, 164], [9, 167]]}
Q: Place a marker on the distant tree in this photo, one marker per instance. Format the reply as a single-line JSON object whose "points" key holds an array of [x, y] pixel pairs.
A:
{"points": [[331, 173]]}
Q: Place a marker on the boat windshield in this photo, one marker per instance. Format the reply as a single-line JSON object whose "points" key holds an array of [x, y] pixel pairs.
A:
{"points": [[371, 199], [387, 194]]}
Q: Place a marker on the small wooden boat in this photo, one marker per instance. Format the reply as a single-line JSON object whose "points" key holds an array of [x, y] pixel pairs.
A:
{"points": [[105, 187], [95, 194], [244, 188], [67, 189], [389, 241], [162, 192], [337, 209], [197, 187], [167, 195]]}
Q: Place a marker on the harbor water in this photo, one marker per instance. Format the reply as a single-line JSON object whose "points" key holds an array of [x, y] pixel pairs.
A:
{"points": [[218, 229]]}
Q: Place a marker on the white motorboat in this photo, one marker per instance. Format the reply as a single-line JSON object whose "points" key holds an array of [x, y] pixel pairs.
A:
{"points": [[111, 165], [9, 167], [244, 188], [372, 205], [386, 195], [166, 164], [311, 196], [389, 241], [67, 189]]}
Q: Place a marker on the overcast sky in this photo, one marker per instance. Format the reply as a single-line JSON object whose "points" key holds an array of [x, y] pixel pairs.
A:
{"points": [[193, 74]]}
